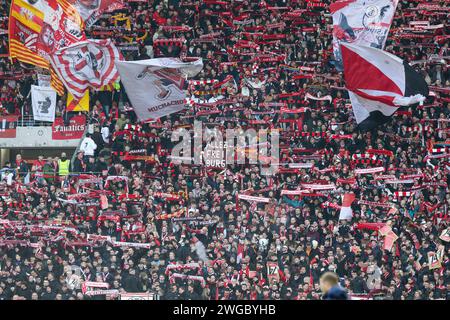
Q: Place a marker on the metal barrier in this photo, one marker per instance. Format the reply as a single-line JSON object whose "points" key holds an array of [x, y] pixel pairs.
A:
{"points": [[28, 121]]}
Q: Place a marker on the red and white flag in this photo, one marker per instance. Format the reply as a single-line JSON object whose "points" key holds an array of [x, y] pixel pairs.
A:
{"points": [[89, 63], [346, 209], [389, 237], [445, 235], [361, 22], [103, 202], [91, 10], [156, 86], [379, 83]]}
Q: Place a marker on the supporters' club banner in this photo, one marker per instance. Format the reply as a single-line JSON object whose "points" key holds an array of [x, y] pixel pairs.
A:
{"points": [[80, 105], [8, 126], [378, 83], [90, 10], [43, 100], [361, 22], [346, 209], [155, 86], [136, 296], [68, 131], [87, 64]]}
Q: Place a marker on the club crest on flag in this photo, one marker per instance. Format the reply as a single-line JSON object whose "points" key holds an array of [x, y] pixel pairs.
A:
{"points": [[27, 14], [372, 11], [165, 81], [88, 60], [87, 64], [155, 86]]}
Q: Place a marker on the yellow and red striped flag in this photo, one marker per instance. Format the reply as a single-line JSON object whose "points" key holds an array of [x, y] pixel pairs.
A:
{"points": [[32, 39], [55, 82], [25, 25]]}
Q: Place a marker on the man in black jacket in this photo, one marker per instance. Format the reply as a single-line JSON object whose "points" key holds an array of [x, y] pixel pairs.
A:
{"points": [[21, 166], [131, 282], [191, 294], [172, 294], [358, 284], [98, 139], [78, 164], [101, 165]]}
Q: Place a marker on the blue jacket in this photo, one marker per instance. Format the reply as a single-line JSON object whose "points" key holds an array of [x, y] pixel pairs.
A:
{"points": [[336, 293]]}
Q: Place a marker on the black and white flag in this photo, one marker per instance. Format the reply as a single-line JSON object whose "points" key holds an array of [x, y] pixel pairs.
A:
{"points": [[43, 100]]}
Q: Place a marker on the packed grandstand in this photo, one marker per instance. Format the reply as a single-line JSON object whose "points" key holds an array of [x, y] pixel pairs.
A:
{"points": [[122, 217]]}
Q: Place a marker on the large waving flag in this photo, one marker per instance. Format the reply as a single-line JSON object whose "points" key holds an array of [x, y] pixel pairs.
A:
{"points": [[87, 64], [25, 25], [39, 28], [379, 83], [361, 22], [90, 10], [155, 87]]}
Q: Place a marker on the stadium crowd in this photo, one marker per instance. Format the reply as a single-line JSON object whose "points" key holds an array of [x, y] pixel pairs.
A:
{"points": [[267, 64]]}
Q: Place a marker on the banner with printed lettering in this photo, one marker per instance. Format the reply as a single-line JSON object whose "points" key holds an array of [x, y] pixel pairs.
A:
{"points": [[155, 87], [43, 100], [74, 129], [361, 22]]}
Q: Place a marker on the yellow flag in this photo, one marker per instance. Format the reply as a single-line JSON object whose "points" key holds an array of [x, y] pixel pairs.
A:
{"points": [[28, 15], [82, 105]]}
